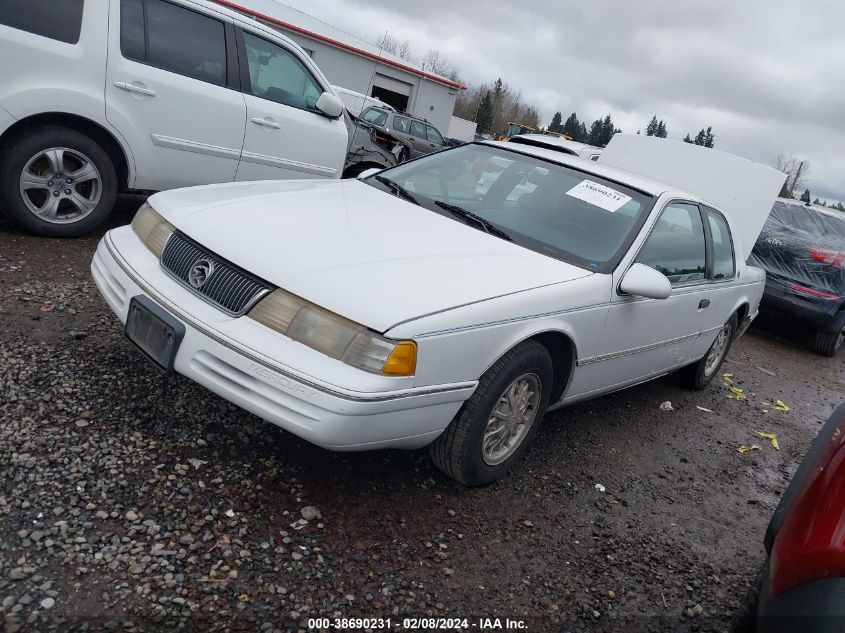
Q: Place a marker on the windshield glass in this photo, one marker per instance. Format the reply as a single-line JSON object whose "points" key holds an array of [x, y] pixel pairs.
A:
{"points": [[376, 117], [555, 210]]}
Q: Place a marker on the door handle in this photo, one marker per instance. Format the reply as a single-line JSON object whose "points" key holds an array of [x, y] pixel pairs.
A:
{"points": [[266, 123], [133, 88], [704, 303]]}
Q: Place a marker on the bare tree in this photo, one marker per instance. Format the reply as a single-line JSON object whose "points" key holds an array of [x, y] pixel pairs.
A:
{"points": [[797, 171], [389, 44], [434, 62]]}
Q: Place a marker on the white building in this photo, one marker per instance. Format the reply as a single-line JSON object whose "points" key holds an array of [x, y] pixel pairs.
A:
{"points": [[358, 65]]}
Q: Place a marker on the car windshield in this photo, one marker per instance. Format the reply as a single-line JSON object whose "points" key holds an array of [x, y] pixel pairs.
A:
{"points": [[374, 116], [552, 209]]}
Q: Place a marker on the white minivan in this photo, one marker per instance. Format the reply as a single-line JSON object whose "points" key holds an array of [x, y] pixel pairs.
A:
{"points": [[101, 96]]}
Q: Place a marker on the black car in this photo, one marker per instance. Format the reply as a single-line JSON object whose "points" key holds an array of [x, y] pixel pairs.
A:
{"points": [[802, 250]]}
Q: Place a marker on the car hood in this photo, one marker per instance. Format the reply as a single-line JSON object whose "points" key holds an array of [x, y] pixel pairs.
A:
{"points": [[354, 249]]}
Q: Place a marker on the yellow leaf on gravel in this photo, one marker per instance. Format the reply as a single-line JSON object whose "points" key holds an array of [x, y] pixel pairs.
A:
{"points": [[770, 436], [736, 394], [747, 449], [781, 406]]}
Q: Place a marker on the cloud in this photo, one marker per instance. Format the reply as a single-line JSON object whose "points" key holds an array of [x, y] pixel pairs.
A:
{"points": [[767, 76]]}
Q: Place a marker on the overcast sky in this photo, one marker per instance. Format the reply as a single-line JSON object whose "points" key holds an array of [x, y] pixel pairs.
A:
{"points": [[769, 76]]}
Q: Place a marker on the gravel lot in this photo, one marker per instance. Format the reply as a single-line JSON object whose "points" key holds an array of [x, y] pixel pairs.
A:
{"points": [[129, 504]]}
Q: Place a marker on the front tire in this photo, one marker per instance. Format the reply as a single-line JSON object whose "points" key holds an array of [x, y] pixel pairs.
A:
{"points": [[494, 427], [57, 182], [700, 374]]}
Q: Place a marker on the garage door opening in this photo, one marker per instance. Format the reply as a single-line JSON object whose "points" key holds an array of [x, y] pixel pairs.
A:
{"points": [[392, 91]]}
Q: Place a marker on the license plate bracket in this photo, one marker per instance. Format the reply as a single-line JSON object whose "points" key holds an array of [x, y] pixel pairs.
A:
{"points": [[154, 332]]}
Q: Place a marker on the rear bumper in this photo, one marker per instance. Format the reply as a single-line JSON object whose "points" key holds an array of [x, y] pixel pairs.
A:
{"points": [[332, 417], [820, 315], [815, 607]]}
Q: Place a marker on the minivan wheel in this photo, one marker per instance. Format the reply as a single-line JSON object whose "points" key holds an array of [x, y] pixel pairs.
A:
{"points": [[57, 182], [700, 374], [494, 427]]}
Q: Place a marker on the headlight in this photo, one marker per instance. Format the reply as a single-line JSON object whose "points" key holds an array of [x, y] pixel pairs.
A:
{"points": [[152, 229], [334, 335]]}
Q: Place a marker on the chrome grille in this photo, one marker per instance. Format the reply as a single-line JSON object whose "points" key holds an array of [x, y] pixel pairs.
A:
{"points": [[228, 287]]}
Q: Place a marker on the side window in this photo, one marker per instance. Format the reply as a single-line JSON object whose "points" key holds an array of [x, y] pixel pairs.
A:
{"points": [[417, 129], [723, 252], [276, 74], [374, 116], [401, 124], [433, 135], [175, 39], [675, 246], [60, 21]]}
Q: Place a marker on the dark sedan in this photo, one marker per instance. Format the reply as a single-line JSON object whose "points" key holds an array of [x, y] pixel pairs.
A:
{"points": [[802, 250]]}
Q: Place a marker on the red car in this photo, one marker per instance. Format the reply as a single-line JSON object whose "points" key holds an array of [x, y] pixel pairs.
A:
{"points": [[801, 587]]}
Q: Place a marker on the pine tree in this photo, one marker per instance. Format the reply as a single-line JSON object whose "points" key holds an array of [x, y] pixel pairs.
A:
{"points": [[817, 201], [556, 125], [839, 207], [805, 197], [709, 137], [687, 138], [661, 130], [583, 135], [595, 133], [572, 127], [484, 117], [651, 128], [700, 138]]}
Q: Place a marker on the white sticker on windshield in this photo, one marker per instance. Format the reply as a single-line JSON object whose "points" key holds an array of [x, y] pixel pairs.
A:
{"points": [[598, 195]]}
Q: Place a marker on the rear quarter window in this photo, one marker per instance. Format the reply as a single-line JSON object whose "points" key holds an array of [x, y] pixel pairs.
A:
{"points": [[57, 19]]}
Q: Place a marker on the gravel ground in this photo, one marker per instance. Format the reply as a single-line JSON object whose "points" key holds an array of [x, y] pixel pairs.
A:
{"points": [[133, 504]]}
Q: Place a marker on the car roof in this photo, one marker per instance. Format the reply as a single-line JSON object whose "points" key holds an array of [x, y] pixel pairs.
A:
{"points": [[622, 176], [397, 113], [552, 142]]}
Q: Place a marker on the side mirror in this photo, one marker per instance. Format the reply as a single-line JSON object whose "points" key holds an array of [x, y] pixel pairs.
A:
{"points": [[329, 105], [368, 172], [643, 281]]}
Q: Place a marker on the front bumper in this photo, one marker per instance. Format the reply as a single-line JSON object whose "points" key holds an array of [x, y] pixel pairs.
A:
{"points": [[337, 418]]}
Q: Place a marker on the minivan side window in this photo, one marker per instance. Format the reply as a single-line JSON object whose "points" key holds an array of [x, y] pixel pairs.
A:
{"points": [[675, 246], [60, 21], [173, 38], [276, 74], [723, 252]]}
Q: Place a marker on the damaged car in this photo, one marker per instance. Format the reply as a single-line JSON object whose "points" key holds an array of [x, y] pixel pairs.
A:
{"points": [[450, 301]]}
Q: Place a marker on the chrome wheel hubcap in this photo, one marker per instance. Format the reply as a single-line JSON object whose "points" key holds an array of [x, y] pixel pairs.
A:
{"points": [[60, 185], [718, 350], [511, 419]]}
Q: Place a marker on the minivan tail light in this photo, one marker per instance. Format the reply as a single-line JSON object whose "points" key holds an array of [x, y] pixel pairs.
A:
{"points": [[834, 258]]}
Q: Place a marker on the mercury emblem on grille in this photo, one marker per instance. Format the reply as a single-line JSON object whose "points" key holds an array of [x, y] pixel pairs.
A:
{"points": [[200, 273]]}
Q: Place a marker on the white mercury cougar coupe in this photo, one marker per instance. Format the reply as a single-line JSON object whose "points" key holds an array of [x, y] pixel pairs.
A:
{"points": [[452, 300]]}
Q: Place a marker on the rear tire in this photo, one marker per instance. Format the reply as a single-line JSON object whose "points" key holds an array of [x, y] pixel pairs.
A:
{"points": [[829, 343], [494, 427], [698, 375], [69, 206]]}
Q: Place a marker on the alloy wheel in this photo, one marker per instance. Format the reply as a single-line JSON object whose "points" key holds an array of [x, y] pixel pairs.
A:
{"points": [[60, 185], [511, 419], [718, 349]]}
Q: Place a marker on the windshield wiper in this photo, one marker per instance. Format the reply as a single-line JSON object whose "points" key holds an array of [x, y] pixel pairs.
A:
{"points": [[398, 189], [489, 227]]}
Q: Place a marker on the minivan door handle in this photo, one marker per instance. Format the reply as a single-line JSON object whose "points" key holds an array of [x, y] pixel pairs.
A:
{"points": [[704, 303], [133, 88], [266, 123]]}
